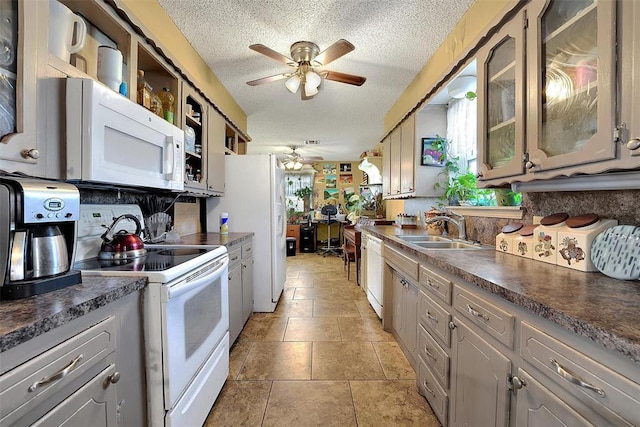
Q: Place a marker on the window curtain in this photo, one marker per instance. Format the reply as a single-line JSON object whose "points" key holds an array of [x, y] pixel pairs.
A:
{"points": [[461, 130]]}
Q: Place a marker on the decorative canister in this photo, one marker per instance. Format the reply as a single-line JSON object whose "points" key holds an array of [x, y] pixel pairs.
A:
{"points": [[435, 228], [523, 242], [224, 223], [545, 237], [504, 240], [574, 242]]}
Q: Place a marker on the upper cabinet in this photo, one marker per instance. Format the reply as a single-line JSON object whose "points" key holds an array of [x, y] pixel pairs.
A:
{"points": [[571, 73], [195, 140], [501, 99], [550, 103], [20, 149]]}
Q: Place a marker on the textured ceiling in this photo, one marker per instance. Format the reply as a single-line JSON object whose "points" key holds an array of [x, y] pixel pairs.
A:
{"points": [[393, 40]]}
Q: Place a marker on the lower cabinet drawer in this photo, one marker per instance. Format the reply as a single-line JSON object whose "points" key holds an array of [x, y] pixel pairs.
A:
{"points": [[247, 249], [434, 356], [25, 387], [408, 266], [94, 404], [488, 317], [234, 257], [437, 397], [433, 283], [435, 319], [615, 398]]}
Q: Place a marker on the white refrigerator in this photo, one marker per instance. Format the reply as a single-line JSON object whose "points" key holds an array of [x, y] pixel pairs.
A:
{"points": [[254, 198]]}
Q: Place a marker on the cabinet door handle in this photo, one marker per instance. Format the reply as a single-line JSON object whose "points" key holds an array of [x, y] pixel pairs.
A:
{"points": [[433, 285], [633, 144], [426, 387], [432, 317], [58, 375], [428, 353], [452, 325], [573, 378], [477, 313]]}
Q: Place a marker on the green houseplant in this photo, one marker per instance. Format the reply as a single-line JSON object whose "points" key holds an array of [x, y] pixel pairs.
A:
{"points": [[304, 194]]}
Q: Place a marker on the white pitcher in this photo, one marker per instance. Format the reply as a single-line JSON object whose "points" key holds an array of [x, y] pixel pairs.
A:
{"points": [[62, 23]]}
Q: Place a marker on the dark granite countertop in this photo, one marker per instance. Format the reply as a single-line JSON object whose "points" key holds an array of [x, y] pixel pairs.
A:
{"points": [[230, 240], [27, 318], [605, 310]]}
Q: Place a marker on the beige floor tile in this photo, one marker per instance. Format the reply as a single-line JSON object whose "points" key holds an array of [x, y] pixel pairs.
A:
{"points": [[363, 329], [264, 328], [394, 363], [391, 403], [288, 293], [345, 361], [240, 403], [293, 308], [312, 403], [237, 355], [277, 361], [365, 309], [313, 293], [335, 308], [312, 329], [304, 282]]}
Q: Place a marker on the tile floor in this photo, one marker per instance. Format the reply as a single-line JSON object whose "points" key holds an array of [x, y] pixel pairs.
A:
{"points": [[321, 359]]}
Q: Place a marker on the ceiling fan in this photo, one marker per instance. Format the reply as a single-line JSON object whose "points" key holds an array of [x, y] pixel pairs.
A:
{"points": [[295, 161], [304, 57]]}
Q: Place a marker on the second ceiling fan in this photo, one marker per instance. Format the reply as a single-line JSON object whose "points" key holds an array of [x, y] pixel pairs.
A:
{"points": [[304, 57]]}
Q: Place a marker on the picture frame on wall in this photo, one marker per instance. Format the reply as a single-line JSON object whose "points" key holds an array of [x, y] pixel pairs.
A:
{"points": [[432, 153], [345, 167]]}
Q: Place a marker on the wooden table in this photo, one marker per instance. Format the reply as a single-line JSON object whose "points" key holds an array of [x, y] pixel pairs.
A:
{"points": [[352, 236]]}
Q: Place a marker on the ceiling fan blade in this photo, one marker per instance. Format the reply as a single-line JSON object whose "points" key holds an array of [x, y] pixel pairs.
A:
{"points": [[336, 76], [333, 52], [267, 51], [268, 79]]}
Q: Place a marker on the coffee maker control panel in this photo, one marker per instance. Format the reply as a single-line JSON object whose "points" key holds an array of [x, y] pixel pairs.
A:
{"points": [[40, 207]]}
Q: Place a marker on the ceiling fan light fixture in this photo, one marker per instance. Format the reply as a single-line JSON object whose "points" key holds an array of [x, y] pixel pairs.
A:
{"points": [[293, 83], [312, 79]]}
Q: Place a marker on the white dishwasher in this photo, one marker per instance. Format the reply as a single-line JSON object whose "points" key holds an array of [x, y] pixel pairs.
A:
{"points": [[375, 264]]}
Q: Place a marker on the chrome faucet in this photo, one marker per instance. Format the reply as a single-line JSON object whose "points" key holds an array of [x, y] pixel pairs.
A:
{"points": [[458, 222]]}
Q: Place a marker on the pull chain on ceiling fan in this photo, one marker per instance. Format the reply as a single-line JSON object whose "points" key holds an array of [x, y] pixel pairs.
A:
{"points": [[304, 57]]}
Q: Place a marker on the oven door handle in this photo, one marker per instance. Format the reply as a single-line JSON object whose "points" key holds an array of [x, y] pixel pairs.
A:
{"points": [[184, 287]]}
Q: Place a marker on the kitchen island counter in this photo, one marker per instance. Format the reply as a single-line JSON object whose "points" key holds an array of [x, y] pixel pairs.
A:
{"points": [[592, 305], [27, 318]]}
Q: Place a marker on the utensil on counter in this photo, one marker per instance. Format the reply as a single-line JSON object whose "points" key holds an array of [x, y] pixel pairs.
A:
{"points": [[157, 226], [616, 252]]}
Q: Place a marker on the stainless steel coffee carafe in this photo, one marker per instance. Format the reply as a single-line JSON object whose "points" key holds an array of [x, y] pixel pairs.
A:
{"points": [[49, 253]]}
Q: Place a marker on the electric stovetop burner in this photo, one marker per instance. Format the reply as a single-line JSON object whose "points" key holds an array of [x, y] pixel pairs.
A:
{"points": [[156, 259]]}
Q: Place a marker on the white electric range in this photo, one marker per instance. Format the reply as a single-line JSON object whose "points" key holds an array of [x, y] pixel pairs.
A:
{"points": [[186, 315]]}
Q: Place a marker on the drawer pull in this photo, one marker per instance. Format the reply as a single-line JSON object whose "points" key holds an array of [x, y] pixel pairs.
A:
{"points": [[431, 392], [433, 285], [432, 317], [477, 313], [234, 258], [573, 378], [58, 375], [428, 353]]}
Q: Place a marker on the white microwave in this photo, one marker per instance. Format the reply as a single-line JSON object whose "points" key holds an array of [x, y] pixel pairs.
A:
{"points": [[112, 140]]}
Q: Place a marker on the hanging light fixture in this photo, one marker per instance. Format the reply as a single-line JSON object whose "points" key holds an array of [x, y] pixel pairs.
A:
{"points": [[312, 81], [293, 83]]}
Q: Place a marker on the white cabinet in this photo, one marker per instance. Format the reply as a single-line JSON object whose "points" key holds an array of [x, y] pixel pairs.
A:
{"points": [[395, 159], [89, 371], [20, 148], [407, 155], [215, 153], [405, 309], [552, 106], [240, 288]]}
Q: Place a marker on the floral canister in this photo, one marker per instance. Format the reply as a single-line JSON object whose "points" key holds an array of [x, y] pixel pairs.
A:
{"points": [[523, 242], [574, 242], [435, 228], [545, 237], [504, 240]]}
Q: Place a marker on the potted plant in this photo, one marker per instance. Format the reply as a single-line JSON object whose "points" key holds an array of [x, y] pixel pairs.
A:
{"points": [[304, 194]]}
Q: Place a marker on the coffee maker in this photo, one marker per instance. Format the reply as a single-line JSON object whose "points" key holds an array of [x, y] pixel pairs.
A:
{"points": [[38, 227]]}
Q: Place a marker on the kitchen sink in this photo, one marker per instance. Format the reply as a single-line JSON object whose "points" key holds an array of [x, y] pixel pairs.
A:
{"points": [[446, 244], [413, 238]]}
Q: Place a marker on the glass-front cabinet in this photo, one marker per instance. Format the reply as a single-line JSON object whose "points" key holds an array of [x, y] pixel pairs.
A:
{"points": [[194, 111], [571, 72], [19, 29], [501, 109]]}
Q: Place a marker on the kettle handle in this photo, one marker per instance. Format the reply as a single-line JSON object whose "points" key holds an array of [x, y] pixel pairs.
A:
{"points": [[108, 235]]}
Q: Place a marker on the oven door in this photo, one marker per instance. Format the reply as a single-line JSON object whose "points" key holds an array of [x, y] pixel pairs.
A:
{"points": [[195, 318]]}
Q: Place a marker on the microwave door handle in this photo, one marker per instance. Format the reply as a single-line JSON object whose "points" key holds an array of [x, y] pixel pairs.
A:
{"points": [[214, 274], [173, 167]]}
